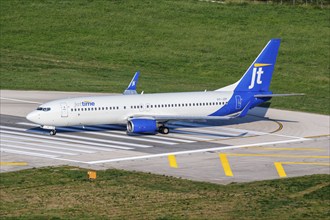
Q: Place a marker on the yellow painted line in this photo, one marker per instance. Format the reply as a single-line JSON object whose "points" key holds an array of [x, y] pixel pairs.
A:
{"points": [[13, 164], [172, 161], [288, 149], [307, 163], [317, 136], [277, 155], [225, 164], [280, 169]]}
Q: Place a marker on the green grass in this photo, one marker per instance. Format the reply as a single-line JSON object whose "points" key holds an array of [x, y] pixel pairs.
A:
{"points": [[65, 193], [178, 45]]}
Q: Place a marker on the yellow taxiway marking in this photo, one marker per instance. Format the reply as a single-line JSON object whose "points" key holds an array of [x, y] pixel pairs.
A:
{"points": [[288, 149], [13, 164], [172, 161], [280, 169], [225, 164], [277, 155], [317, 136]]}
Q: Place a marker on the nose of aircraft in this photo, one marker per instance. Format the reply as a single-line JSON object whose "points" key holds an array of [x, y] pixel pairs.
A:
{"points": [[33, 116]]}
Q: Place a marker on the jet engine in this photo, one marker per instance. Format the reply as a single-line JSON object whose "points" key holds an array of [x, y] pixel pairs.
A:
{"points": [[142, 126]]}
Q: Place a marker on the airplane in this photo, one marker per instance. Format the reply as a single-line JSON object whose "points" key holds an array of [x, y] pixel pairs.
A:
{"points": [[150, 113]]}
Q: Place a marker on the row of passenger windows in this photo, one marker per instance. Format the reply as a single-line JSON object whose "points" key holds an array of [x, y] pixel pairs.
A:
{"points": [[94, 109], [181, 105], [150, 106]]}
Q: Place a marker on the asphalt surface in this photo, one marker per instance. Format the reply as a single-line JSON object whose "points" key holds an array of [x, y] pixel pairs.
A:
{"points": [[264, 145]]}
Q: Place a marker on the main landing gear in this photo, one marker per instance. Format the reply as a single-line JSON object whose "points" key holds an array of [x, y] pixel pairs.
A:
{"points": [[164, 130], [52, 132]]}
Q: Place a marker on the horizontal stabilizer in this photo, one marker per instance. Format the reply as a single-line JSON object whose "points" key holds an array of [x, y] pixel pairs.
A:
{"points": [[277, 95]]}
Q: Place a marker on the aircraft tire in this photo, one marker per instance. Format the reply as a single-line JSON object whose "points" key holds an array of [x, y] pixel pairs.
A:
{"points": [[52, 132], [164, 130]]}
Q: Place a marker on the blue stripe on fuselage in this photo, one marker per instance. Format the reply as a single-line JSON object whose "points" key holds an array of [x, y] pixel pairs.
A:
{"points": [[233, 106]]}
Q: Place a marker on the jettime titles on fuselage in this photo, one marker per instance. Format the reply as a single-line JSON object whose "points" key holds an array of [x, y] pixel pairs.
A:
{"points": [[84, 104]]}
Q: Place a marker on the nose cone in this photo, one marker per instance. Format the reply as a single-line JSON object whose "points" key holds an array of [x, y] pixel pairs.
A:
{"points": [[33, 116]]}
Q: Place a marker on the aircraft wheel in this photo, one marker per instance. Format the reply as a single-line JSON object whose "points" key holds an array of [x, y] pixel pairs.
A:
{"points": [[164, 130], [52, 132]]}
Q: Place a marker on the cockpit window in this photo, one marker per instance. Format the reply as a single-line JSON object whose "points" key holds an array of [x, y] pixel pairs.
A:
{"points": [[43, 109]]}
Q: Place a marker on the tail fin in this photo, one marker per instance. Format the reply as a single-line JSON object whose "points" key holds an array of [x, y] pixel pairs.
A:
{"points": [[258, 76], [131, 89]]}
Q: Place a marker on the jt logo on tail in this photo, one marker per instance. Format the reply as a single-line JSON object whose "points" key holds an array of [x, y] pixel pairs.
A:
{"points": [[259, 73]]}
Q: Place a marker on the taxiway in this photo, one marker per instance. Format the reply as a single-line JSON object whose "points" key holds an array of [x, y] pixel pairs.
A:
{"points": [[263, 145]]}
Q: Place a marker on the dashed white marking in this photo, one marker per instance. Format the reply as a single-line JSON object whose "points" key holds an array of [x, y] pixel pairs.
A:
{"points": [[28, 153], [67, 140], [59, 142], [34, 149], [45, 146]]}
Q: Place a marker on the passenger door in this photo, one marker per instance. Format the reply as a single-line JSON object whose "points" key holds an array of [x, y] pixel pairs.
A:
{"points": [[64, 110]]}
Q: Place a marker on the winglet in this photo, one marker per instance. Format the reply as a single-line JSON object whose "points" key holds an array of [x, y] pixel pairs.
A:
{"points": [[131, 89]]}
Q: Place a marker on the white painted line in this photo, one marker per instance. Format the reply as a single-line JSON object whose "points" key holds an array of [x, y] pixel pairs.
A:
{"points": [[19, 100], [187, 136], [194, 151], [90, 139], [199, 134], [28, 124], [235, 130], [65, 140], [27, 153], [59, 142], [35, 149], [120, 136], [122, 132], [149, 136], [45, 146], [206, 133]]}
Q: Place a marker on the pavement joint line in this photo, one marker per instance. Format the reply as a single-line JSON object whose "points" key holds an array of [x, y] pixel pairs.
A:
{"points": [[225, 164], [13, 163], [192, 151], [172, 161]]}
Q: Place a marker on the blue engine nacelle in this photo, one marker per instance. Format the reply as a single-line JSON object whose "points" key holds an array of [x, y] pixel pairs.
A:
{"points": [[142, 126]]}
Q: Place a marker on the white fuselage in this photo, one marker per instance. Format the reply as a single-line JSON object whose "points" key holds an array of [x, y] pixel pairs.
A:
{"points": [[117, 109]]}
